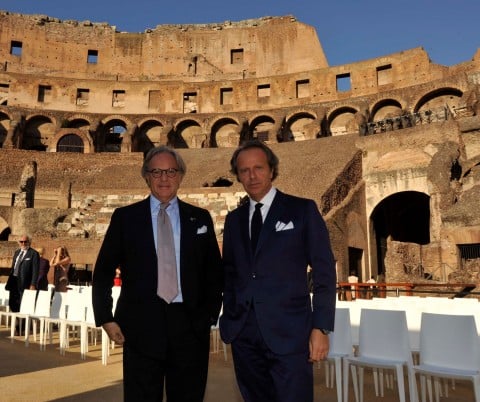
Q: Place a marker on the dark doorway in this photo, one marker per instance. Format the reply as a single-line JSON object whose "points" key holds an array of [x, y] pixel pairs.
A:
{"points": [[355, 256], [405, 217]]}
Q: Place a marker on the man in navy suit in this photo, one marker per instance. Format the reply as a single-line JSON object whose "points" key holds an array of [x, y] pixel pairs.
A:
{"points": [[24, 272], [166, 343], [276, 329]]}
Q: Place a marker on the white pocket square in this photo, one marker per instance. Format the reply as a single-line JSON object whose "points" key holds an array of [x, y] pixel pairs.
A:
{"points": [[202, 230], [280, 226]]}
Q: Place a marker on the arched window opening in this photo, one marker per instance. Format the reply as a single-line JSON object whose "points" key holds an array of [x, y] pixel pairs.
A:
{"points": [[70, 143]]}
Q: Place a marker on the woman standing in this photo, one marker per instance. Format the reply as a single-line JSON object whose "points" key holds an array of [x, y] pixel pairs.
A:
{"points": [[60, 262]]}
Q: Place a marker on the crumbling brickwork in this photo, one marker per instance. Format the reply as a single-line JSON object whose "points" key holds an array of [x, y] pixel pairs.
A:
{"points": [[392, 158]]}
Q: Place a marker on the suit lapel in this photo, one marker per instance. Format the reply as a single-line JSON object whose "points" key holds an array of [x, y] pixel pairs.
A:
{"points": [[244, 226], [146, 216]]}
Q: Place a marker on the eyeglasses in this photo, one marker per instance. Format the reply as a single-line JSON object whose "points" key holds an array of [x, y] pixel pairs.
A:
{"points": [[23, 241], [158, 173]]}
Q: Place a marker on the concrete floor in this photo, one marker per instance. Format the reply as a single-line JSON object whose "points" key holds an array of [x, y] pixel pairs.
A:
{"points": [[28, 374]]}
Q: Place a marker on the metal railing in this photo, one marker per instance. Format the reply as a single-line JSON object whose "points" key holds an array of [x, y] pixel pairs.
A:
{"points": [[351, 291]]}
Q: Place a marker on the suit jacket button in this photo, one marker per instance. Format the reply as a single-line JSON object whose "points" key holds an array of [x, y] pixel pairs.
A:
{"points": [[254, 275]]}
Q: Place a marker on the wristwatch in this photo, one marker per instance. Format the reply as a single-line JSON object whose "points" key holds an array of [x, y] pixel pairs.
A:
{"points": [[325, 331]]}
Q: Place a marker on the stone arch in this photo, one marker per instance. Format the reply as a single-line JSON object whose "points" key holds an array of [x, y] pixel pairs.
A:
{"points": [[301, 126], [262, 127], [70, 143], [342, 121], [78, 122], [386, 108], [437, 104], [386, 115], [38, 131], [187, 133], [111, 133], [82, 141], [150, 133], [225, 132], [5, 229]]}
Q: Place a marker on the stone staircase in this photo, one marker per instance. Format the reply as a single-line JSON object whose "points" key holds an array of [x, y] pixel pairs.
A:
{"points": [[90, 215]]}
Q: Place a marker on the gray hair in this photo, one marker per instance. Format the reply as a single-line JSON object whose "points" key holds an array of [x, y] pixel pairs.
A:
{"points": [[182, 167]]}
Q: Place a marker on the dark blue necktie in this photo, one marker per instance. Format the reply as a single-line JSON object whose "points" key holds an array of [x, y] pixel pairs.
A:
{"points": [[256, 226]]}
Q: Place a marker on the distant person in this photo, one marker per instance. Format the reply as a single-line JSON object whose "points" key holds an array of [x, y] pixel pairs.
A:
{"points": [[61, 263], [44, 267], [23, 273], [353, 278], [117, 281], [372, 289]]}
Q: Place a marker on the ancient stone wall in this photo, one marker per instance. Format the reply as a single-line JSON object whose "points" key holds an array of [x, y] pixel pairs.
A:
{"points": [[368, 141], [80, 50]]}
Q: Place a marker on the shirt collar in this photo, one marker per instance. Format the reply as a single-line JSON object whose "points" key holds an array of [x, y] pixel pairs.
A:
{"points": [[155, 203], [266, 200]]}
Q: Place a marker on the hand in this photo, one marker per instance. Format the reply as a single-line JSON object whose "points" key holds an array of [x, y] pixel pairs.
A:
{"points": [[319, 345], [32, 287], [114, 332]]}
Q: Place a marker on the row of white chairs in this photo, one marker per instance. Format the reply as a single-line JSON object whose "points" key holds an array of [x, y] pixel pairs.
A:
{"points": [[413, 306], [71, 312], [449, 347]]}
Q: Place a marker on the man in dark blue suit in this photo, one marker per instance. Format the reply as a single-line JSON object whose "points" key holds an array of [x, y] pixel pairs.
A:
{"points": [[276, 329], [24, 272], [165, 340]]}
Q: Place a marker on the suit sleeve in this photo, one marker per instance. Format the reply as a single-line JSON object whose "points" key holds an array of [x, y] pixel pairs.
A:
{"points": [[214, 273], [35, 268], [321, 260], [228, 266], [108, 260]]}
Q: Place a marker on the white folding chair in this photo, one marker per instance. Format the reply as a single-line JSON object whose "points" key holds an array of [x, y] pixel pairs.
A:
{"points": [[88, 327], [341, 346], [27, 308], [76, 314], [58, 312], [383, 344], [42, 309], [449, 348]]}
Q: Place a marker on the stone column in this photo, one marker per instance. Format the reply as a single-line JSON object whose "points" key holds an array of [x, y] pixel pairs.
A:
{"points": [[127, 138], [65, 195], [26, 195]]}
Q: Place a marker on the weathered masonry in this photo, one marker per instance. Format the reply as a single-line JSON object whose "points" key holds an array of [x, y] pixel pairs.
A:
{"points": [[388, 147]]}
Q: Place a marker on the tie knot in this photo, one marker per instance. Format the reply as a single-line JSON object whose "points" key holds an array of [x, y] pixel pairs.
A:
{"points": [[258, 205], [164, 205]]}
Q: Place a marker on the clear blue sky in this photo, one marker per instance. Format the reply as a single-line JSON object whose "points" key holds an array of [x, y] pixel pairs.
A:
{"points": [[349, 30]]}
